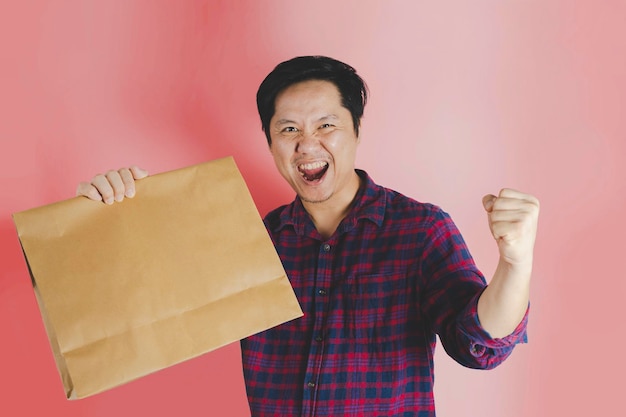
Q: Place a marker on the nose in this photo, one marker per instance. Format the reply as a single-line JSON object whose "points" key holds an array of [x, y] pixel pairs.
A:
{"points": [[307, 142]]}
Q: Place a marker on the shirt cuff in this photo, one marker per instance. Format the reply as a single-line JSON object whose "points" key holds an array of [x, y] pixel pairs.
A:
{"points": [[480, 339]]}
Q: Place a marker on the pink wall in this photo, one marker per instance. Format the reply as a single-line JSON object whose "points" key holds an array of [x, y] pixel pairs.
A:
{"points": [[465, 99]]}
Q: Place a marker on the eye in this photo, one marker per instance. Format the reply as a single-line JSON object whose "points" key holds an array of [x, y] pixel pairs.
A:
{"points": [[289, 129], [326, 126]]}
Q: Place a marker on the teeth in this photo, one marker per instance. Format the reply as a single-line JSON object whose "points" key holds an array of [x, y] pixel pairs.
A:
{"points": [[313, 165]]}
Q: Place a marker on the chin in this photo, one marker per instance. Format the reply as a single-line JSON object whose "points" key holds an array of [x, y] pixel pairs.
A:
{"points": [[314, 198]]}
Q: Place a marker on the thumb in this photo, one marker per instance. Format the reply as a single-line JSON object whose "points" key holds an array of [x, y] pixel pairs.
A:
{"points": [[488, 201]]}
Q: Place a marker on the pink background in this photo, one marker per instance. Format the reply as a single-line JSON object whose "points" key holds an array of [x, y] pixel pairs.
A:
{"points": [[466, 98]]}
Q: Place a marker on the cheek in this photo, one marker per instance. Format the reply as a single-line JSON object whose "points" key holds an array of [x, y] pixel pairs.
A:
{"points": [[281, 157], [342, 147], [333, 144]]}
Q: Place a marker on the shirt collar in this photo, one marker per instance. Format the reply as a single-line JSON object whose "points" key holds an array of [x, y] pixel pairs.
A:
{"points": [[369, 204]]}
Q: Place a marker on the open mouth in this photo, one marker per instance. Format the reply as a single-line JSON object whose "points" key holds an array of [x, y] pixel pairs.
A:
{"points": [[313, 171]]}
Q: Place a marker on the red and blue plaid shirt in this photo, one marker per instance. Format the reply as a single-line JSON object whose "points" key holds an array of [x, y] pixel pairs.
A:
{"points": [[395, 274]]}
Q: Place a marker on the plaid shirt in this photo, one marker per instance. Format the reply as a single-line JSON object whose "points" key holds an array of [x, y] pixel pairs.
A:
{"points": [[395, 273]]}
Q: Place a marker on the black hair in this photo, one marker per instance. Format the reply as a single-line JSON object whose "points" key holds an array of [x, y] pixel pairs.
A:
{"points": [[351, 86]]}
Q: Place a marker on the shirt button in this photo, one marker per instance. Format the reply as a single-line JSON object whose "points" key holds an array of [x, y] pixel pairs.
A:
{"points": [[311, 384], [319, 338], [477, 350], [326, 247], [321, 292]]}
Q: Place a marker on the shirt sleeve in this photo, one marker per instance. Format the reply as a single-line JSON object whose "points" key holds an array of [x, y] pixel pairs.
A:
{"points": [[486, 352], [451, 286]]}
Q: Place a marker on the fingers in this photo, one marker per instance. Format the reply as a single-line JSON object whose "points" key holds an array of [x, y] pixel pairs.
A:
{"points": [[518, 195], [128, 177], [89, 191], [112, 186], [511, 214], [488, 201], [111, 183], [509, 230], [138, 173], [509, 199], [128, 184]]}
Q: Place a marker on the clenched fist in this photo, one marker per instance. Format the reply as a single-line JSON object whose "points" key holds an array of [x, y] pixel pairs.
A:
{"points": [[512, 219]]}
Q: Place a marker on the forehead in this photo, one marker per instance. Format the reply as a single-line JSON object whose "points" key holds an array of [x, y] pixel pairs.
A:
{"points": [[308, 96]]}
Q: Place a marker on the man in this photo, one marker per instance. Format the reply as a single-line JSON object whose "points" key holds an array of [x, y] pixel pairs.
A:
{"points": [[377, 274]]}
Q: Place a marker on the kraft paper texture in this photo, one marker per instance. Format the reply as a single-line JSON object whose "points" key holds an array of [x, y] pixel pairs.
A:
{"points": [[183, 268]]}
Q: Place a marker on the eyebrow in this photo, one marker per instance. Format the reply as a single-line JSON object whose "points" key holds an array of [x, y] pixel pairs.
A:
{"points": [[327, 117], [321, 119], [283, 122]]}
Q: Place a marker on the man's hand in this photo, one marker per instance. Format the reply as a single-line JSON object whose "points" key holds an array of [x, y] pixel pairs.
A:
{"points": [[112, 186], [513, 222], [512, 219]]}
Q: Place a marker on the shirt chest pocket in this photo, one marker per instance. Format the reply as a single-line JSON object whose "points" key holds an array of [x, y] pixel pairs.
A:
{"points": [[376, 306]]}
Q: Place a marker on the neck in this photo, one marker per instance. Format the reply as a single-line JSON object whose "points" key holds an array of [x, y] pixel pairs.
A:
{"points": [[328, 215]]}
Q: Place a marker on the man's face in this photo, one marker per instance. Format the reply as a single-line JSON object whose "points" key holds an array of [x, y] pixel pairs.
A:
{"points": [[314, 143]]}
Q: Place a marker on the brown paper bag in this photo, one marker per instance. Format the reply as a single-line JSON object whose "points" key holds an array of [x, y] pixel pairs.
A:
{"points": [[181, 269]]}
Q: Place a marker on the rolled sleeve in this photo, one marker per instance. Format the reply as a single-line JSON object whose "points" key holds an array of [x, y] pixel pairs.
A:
{"points": [[483, 350]]}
